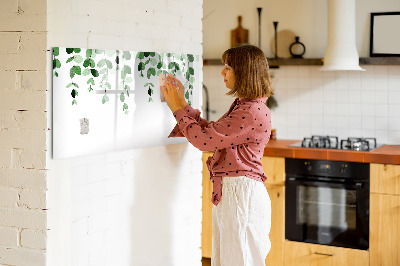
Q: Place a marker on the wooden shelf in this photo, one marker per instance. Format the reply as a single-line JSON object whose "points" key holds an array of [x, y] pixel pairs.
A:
{"points": [[380, 61], [274, 63]]}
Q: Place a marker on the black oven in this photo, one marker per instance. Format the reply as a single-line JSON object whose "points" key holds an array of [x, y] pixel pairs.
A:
{"points": [[327, 202]]}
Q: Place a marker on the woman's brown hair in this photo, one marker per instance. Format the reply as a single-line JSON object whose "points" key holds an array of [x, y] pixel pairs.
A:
{"points": [[250, 66]]}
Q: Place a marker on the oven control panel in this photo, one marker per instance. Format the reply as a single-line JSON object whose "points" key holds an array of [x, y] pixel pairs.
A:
{"points": [[337, 169]]}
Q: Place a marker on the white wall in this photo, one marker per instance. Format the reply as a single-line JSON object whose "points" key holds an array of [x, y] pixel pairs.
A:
{"points": [[305, 18], [311, 102], [134, 207]]}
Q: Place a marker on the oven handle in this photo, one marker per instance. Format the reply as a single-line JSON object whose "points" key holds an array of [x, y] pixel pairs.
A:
{"points": [[357, 185]]}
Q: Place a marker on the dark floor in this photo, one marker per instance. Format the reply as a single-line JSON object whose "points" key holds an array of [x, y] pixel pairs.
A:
{"points": [[206, 261]]}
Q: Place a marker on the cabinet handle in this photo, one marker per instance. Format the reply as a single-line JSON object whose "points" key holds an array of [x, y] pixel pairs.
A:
{"points": [[325, 254]]}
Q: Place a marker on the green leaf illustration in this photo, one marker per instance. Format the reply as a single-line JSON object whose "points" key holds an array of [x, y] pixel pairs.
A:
{"points": [[149, 84], [89, 52], [86, 63], [151, 72], [171, 65], [192, 79], [153, 61], [109, 64], [122, 97], [127, 69], [159, 65], [74, 93], [90, 88], [127, 88], [69, 59], [191, 70], [56, 51], [86, 72], [69, 85], [177, 66], [97, 51], [101, 63], [95, 73], [146, 54], [152, 54], [72, 72], [78, 70], [102, 71], [125, 107], [74, 102], [56, 74], [56, 63], [190, 58], [90, 81], [190, 103], [128, 80], [105, 99], [89, 62], [69, 50], [126, 55], [187, 94], [117, 61], [77, 50], [78, 59], [141, 66], [140, 55], [108, 85]]}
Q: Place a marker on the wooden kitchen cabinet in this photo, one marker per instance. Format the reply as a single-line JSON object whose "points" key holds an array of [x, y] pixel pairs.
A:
{"points": [[385, 178], [384, 236], [206, 225], [306, 254], [274, 168]]}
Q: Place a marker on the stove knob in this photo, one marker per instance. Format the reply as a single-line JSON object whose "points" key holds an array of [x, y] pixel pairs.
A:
{"points": [[343, 168]]}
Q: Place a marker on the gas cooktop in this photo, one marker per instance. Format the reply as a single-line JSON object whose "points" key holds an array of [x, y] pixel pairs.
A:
{"points": [[332, 142]]}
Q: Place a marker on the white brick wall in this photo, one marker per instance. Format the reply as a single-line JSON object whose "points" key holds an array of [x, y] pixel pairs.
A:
{"points": [[134, 207], [23, 128]]}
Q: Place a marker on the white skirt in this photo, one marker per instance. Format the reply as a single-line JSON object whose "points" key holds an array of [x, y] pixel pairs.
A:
{"points": [[241, 223]]}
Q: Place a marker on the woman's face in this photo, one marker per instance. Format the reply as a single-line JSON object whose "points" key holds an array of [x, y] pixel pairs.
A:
{"points": [[229, 76]]}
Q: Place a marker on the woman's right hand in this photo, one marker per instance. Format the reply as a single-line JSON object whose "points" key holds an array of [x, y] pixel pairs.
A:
{"points": [[181, 91]]}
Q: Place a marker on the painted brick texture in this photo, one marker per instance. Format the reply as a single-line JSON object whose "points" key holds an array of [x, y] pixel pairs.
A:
{"points": [[123, 208], [23, 126]]}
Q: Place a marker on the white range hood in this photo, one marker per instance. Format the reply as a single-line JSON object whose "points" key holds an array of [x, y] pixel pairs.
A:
{"points": [[341, 51]]}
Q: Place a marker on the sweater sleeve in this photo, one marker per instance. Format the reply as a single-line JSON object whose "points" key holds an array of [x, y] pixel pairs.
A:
{"points": [[193, 113], [229, 131]]}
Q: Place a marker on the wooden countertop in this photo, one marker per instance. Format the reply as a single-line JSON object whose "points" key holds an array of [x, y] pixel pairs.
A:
{"points": [[389, 154]]}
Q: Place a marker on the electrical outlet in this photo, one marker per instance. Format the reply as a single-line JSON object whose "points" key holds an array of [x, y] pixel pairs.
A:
{"points": [[84, 126]]}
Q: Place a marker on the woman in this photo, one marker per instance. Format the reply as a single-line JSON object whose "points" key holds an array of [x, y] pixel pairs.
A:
{"points": [[241, 213]]}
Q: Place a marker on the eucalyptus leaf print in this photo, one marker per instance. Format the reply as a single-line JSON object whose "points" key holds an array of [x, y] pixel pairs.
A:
{"points": [[75, 59], [126, 79]]}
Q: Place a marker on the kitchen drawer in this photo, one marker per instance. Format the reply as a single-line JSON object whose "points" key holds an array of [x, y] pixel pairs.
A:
{"points": [[305, 254], [274, 168], [385, 178]]}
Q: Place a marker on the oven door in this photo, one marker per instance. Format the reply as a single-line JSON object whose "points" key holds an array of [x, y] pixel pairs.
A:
{"points": [[327, 213]]}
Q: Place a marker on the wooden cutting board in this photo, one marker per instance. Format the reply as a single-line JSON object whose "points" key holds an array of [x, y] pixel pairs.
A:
{"points": [[239, 35]]}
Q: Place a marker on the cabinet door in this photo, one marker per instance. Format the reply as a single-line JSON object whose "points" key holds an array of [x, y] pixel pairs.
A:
{"points": [[305, 254], [274, 168], [385, 178], [277, 233], [384, 229], [206, 232]]}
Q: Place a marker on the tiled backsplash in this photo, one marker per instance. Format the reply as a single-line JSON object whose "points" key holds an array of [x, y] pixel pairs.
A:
{"points": [[314, 102]]}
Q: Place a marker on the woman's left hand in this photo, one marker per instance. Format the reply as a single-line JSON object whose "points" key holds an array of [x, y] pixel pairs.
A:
{"points": [[171, 94]]}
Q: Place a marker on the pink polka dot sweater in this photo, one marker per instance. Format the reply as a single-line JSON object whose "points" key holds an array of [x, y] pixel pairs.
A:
{"points": [[238, 139]]}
